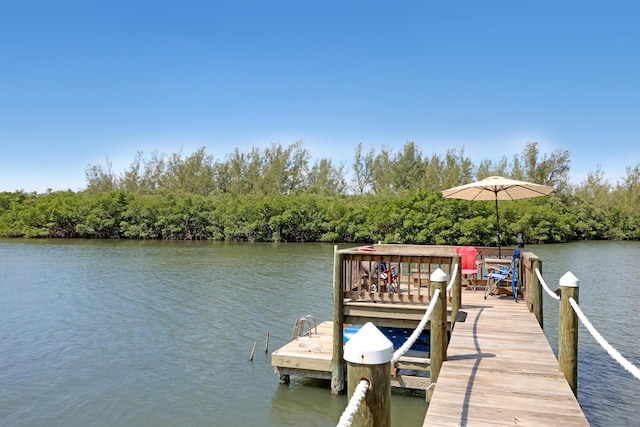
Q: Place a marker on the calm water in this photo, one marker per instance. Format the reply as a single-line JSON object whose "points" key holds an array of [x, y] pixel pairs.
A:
{"points": [[609, 274], [159, 333]]}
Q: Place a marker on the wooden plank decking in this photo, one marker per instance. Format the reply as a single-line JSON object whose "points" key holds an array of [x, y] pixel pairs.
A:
{"points": [[307, 355], [501, 371], [310, 356]]}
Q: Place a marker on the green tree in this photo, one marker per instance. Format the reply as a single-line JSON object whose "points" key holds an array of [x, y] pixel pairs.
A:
{"points": [[458, 168], [363, 170], [407, 168], [101, 179], [194, 174], [552, 170], [382, 172], [489, 167], [326, 179]]}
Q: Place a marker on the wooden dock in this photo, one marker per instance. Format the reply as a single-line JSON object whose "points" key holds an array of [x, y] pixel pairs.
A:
{"points": [[501, 370], [310, 357]]}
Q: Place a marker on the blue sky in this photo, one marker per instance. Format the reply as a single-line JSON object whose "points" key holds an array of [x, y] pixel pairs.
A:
{"points": [[81, 81]]}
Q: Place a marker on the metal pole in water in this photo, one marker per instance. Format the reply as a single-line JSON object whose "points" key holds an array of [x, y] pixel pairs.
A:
{"points": [[253, 351]]}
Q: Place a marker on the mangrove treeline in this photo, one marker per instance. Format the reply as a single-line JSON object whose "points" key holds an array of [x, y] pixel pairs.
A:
{"points": [[276, 194]]}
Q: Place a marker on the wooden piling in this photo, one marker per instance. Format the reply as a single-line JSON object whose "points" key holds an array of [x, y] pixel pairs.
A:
{"points": [[438, 341], [568, 331], [375, 409], [368, 355], [456, 292], [337, 363], [535, 292]]}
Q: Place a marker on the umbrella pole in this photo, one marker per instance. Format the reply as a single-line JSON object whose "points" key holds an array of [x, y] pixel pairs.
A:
{"points": [[498, 227]]}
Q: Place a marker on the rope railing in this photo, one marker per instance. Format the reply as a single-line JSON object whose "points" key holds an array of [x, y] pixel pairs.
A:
{"points": [[416, 333], [545, 287], [361, 389], [354, 404], [615, 354]]}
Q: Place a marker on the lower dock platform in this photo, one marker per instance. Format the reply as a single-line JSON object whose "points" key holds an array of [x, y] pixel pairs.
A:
{"points": [[310, 356], [307, 356]]}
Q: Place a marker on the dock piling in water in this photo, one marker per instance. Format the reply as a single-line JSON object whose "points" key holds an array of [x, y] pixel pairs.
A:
{"points": [[253, 351], [368, 354], [337, 364], [438, 341], [568, 331]]}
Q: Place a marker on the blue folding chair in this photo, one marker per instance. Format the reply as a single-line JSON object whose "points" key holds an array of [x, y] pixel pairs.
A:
{"points": [[504, 275]]}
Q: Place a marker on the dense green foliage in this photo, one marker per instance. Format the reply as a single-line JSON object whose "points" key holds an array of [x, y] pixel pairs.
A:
{"points": [[276, 196], [422, 217]]}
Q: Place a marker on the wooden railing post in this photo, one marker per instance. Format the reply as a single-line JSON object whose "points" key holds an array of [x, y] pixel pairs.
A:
{"points": [[438, 341], [568, 331], [337, 363], [456, 292], [535, 292], [368, 354]]}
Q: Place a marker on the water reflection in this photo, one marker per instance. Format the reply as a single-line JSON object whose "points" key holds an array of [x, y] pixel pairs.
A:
{"points": [[308, 402]]}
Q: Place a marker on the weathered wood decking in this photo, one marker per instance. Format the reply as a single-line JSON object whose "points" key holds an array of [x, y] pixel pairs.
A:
{"points": [[500, 368], [310, 356], [501, 371]]}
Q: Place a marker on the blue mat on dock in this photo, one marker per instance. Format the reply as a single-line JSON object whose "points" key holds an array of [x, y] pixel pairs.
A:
{"points": [[397, 336]]}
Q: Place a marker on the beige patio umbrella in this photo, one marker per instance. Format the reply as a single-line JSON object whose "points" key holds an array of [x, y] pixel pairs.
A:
{"points": [[497, 188]]}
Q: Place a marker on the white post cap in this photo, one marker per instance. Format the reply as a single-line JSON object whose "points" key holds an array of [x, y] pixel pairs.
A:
{"points": [[569, 280], [368, 346], [438, 276]]}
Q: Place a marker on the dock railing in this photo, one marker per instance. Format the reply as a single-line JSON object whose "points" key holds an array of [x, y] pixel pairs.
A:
{"points": [[369, 359], [570, 312], [391, 273], [531, 286], [389, 286]]}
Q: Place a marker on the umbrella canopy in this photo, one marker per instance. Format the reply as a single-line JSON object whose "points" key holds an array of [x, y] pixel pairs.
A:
{"points": [[497, 188]]}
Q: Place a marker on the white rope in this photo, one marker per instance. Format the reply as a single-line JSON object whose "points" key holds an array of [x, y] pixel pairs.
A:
{"points": [[416, 333], [615, 354], [612, 351], [545, 287], [453, 277], [354, 404]]}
